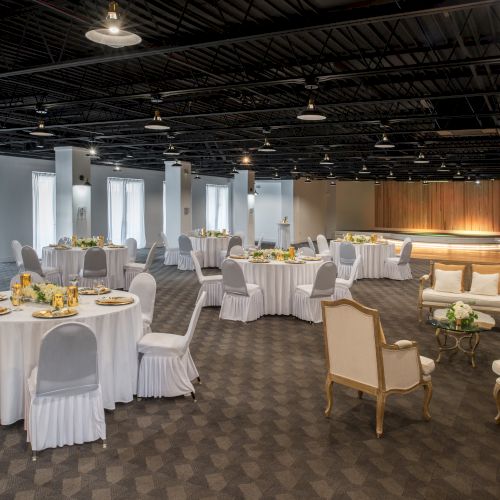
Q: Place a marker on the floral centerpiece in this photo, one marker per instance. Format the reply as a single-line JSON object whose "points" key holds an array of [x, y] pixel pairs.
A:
{"points": [[87, 242], [271, 254], [461, 314], [43, 292]]}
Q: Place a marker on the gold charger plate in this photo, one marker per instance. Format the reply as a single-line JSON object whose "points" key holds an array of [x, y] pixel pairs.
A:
{"points": [[61, 247], [5, 310], [115, 246], [92, 291], [294, 261], [259, 261], [241, 257], [114, 301], [66, 312], [311, 259]]}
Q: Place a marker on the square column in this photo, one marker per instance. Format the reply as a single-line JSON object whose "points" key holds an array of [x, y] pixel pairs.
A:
{"points": [[244, 205]]}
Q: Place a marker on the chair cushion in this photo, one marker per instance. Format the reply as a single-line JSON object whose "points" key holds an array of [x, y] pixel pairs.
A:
{"points": [[448, 267], [428, 365], [496, 366], [215, 278], [136, 266], [484, 284], [305, 289], [487, 269], [430, 295], [448, 281], [394, 260], [341, 282], [162, 344]]}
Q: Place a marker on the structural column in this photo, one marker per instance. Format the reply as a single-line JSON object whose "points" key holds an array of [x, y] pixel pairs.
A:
{"points": [[73, 192], [177, 201], [244, 205]]}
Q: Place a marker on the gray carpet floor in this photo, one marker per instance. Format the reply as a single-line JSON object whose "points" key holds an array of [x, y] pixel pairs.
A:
{"points": [[258, 430]]}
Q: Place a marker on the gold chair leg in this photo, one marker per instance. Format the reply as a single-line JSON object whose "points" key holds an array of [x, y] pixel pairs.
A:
{"points": [[380, 414], [496, 395], [427, 400], [420, 314], [360, 394], [329, 396]]}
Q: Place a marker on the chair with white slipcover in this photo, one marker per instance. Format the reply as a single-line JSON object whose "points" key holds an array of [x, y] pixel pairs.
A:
{"points": [[347, 257], [144, 286], [16, 250], [496, 390], [259, 243], [305, 252], [212, 285], [311, 244], [185, 248], [32, 263], [237, 250], [35, 278], [166, 367], [357, 356], [132, 269], [398, 268], [95, 268], [343, 286], [233, 242], [131, 244], [241, 301], [171, 254], [307, 298], [323, 248], [65, 405]]}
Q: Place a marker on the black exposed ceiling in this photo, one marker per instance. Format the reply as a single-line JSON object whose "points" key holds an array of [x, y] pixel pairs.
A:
{"points": [[426, 73]]}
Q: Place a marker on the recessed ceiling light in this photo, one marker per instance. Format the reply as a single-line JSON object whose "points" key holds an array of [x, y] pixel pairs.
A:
{"points": [[156, 123], [326, 160], [40, 130], [384, 143], [311, 113]]}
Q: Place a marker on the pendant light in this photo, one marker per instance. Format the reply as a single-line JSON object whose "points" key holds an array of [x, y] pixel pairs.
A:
{"points": [[384, 143], [391, 175], [421, 159], [377, 182], [116, 168], [333, 183], [410, 180], [364, 170], [330, 175], [112, 34], [40, 130], [177, 163], [266, 147], [276, 175], [326, 160], [443, 168], [311, 113], [234, 171], [458, 175], [156, 123], [308, 179], [129, 156], [245, 159], [171, 151]]}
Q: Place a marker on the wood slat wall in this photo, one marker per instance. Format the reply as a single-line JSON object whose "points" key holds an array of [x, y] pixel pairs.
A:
{"points": [[452, 206]]}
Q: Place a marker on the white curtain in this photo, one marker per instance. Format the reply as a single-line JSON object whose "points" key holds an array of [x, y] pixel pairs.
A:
{"points": [[217, 208], [44, 209], [126, 210]]}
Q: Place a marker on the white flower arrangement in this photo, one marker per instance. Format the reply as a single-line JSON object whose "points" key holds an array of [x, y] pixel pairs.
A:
{"points": [[462, 313], [43, 292]]}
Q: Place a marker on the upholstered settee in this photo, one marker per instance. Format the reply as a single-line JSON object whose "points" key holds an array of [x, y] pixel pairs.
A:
{"points": [[431, 296]]}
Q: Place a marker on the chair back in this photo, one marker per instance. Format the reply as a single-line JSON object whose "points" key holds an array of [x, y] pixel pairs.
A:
{"points": [[67, 364], [131, 244], [233, 242], [197, 266], [30, 260], [324, 281], [237, 250], [404, 257], [35, 278], [322, 244], [354, 271], [185, 245], [194, 320], [241, 234], [233, 280], [259, 243], [311, 244], [352, 342], [306, 252], [16, 250], [165, 241], [94, 263], [144, 286], [151, 256], [347, 254]]}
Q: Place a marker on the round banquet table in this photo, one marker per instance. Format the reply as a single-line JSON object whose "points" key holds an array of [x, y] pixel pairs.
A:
{"points": [[69, 262], [211, 247], [117, 328], [373, 256], [278, 281]]}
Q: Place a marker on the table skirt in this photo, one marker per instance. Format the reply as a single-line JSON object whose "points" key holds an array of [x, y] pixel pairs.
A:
{"points": [[211, 247]]}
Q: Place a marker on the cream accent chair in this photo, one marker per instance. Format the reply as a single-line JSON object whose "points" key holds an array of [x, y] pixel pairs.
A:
{"points": [[358, 356], [496, 390]]}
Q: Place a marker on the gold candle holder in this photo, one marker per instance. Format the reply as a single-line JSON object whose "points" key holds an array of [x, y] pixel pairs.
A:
{"points": [[73, 240], [58, 301], [16, 294], [25, 280], [291, 252], [100, 241], [72, 294]]}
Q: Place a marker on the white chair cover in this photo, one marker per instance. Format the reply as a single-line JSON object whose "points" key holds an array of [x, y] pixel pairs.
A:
{"points": [[323, 247], [65, 402], [259, 243], [342, 286], [32, 263], [398, 268], [212, 285], [241, 301], [35, 278], [185, 247], [171, 254], [144, 286], [132, 269], [237, 250], [16, 251], [311, 244], [131, 244], [347, 256], [306, 252], [233, 242], [167, 368], [95, 268]]}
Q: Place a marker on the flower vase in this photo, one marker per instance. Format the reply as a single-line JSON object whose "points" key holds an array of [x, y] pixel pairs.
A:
{"points": [[458, 324]]}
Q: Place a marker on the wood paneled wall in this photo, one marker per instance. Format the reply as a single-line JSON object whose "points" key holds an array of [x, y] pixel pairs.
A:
{"points": [[452, 206]]}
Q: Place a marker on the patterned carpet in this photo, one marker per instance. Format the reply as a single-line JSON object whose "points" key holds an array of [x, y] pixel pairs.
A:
{"points": [[258, 431]]}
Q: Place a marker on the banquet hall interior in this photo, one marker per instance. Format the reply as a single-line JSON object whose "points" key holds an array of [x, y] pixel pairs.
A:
{"points": [[249, 249]]}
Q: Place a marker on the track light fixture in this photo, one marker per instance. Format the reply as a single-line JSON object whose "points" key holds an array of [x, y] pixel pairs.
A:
{"points": [[384, 143], [311, 113], [156, 123]]}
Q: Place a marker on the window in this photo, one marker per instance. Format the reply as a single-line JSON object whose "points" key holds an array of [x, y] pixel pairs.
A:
{"points": [[126, 210], [44, 209], [217, 210]]}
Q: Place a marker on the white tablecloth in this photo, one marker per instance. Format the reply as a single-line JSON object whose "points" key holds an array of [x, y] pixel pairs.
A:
{"points": [[117, 328], [373, 256], [278, 282], [70, 262], [211, 247]]}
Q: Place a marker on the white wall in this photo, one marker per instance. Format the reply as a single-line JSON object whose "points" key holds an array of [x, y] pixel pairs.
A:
{"points": [[355, 205], [199, 199], [16, 207], [268, 209], [153, 187]]}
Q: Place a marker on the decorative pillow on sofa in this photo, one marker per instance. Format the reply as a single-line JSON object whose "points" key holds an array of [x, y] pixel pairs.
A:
{"points": [[448, 281], [449, 267], [484, 284], [487, 269]]}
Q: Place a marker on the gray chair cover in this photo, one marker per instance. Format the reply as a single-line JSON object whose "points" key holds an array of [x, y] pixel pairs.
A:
{"points": [[311, 244], [347, 253], [237, 250], [233, 280], [324, 281], [68, 361], [151, 256], [94, 263], [131, 244], [406, 249], [16, 250], [35, 278], [30, 260], [306, 252], [185, 245], [233, 241]]}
